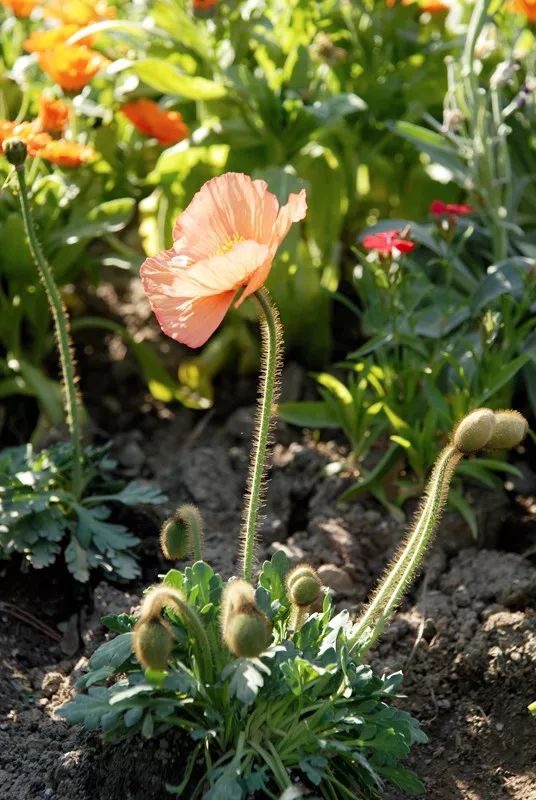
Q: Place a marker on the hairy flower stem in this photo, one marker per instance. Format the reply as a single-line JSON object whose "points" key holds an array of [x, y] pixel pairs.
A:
{"points": [[406, 564], [271, 357], [63, 337]]}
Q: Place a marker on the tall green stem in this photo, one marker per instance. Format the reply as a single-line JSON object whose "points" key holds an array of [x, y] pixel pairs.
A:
{"points": [[409, 558], [271, 357], [61, 325]]}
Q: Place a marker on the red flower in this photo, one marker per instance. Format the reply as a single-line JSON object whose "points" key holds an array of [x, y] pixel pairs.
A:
{"points": [[387, 241], [452, 209]]}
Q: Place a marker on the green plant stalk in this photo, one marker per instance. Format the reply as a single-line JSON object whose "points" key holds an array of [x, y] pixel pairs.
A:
{"points": [[271, 357], [393, 586], [61, 325]]}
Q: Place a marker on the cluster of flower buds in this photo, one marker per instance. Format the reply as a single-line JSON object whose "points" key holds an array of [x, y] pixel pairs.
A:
{"points": [[490, 430]]}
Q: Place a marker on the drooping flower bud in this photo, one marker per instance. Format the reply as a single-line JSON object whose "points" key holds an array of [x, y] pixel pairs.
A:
{"points": [[15, 150], [303, 585], [510, 429], [474, 431], [174, 539], [245, 629], [247, 633], [153, 643], [183, 533]]}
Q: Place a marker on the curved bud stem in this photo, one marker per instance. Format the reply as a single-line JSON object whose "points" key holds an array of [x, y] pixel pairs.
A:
{"points": [[271, 357], [407, 561], [63, 337], [161, 597], [298, 615]]}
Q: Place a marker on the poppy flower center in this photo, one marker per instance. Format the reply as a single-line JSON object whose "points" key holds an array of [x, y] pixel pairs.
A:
{"points": [[229, 244]]}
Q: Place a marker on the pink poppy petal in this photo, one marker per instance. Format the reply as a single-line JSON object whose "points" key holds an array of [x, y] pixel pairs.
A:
{"points": [[293, 211], [227, 208], [191, 320], [223, 272]]}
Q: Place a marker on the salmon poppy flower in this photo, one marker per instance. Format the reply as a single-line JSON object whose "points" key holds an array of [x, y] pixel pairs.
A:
{"points": [[21, 8], [387, 241], [39, 41], [53, 114], [78, 12], [526, 7], [66, 154], [72, 66], [438, 208], [168, 127], [225, 240]]}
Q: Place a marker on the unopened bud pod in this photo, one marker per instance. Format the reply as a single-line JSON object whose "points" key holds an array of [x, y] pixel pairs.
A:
{"points": [[15, 151], [174, 539], [245, 629], [247, 633], [510, 429], [474, 431], [303, 585], [153, 643]]}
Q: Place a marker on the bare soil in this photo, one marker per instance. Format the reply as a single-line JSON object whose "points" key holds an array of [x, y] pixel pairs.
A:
{"points": [[466, 638]]}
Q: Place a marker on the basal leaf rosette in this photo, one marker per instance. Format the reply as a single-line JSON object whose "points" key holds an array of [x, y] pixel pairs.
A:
{"points": [[301, 710]]}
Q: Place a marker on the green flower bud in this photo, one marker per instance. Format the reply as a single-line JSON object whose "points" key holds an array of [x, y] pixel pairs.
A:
{"points": [[474, 431], [247, 633], [245, 629], [153, 643], [303, 585], [15, 151], [174, 539], [510, 429]]}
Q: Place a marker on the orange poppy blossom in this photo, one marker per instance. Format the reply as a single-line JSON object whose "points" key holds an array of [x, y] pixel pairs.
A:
{"points": [[53, 114], [226, 240], [78, 12], [168, 127], [66, 154], [21, 8], [39, 41], [526, 7], [72, 66]]}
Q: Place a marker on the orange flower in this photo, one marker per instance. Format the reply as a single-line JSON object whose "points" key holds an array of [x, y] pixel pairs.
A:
{"points": [[78, 12], [204, 5], [28, 132], [225, 240], [72, 66], [53, 114], [39, 41], [166, 126], [432, 7], [66, 154], [21, 8], [526, 7]]}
